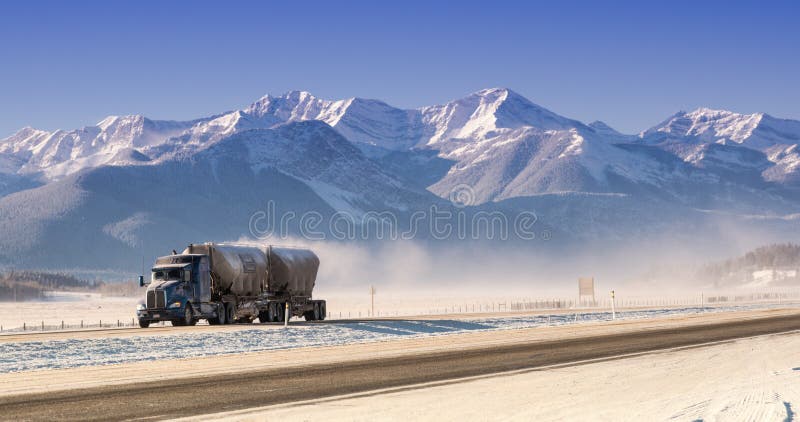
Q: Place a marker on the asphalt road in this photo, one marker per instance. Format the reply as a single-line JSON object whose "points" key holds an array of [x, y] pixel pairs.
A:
{"points": [[203, 395]]}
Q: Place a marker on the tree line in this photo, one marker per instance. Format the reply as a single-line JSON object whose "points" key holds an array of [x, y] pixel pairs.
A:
{"points": [[32, 285], [779, 257]]}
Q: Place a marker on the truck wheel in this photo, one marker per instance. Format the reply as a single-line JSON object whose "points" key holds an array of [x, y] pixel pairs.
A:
{"points": [[188, 316], [323, 310], [222, 314], [144, 324], [316, 311], [309, 315], [263, 316], [272, 312], [231, 310]]}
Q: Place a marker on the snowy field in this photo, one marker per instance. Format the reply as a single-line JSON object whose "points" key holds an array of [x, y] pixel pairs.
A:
{"points": [[754, 379], [72, 308], [69, 353]]}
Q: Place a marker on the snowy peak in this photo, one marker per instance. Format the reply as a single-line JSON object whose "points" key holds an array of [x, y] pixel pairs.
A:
{"points": [[704, 125], [58, 153], [713, 125], [486, 112], [363, 121], [298, 106], [601, 128]]}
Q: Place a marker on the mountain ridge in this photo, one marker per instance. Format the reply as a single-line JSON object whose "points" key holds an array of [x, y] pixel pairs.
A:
{"points": [[110, 188]]}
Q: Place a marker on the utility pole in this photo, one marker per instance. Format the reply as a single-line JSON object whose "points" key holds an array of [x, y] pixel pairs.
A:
{"points": [[372, 300]]}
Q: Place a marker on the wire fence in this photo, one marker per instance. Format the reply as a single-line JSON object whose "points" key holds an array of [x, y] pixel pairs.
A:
{"points": [[475, 307]]}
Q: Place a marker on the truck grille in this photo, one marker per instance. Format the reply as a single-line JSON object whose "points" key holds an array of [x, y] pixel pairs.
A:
{"points": [[156, 299]]}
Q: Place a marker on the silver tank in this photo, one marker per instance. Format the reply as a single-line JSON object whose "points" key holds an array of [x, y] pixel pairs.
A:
{"points": [[250, 270]]}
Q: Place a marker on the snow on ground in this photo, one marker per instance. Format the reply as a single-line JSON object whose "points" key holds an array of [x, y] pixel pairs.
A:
{"points": [[70, 307], [754, 379], [76, 352]]}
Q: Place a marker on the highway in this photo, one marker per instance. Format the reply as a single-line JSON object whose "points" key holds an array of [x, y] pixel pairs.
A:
{"points": [[198, 395]]}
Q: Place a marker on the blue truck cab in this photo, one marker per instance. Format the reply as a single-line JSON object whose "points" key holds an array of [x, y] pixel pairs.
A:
{"points": [[178, 285]]}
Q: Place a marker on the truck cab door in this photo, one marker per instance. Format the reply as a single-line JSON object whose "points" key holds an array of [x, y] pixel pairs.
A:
{"points": [[203, 288]]}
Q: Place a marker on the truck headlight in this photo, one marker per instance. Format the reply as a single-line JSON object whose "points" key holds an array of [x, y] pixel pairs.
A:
{"points": [[175, 305], [140, 306]]}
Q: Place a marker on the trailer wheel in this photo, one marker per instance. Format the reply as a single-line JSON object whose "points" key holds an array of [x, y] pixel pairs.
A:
{"points": [[323, 310], [263, 316], [308, 315], [144, 324], [231, 313], [316, 311], [281, 312]]}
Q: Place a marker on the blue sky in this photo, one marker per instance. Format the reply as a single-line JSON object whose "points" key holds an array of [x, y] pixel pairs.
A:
{"points": [[631, 64]]}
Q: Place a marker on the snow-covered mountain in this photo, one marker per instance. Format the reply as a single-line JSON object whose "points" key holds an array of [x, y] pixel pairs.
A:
{"points": [[296, 167], [110, 142], [691, 136], [757, 131], [130, 180]]}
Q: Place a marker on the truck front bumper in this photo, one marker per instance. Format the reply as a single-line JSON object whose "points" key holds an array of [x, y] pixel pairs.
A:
{"points": [[152, 315]]}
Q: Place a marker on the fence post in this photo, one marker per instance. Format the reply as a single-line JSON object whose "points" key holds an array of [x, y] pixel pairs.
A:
{"points": [[42, 325], [24, 326]]}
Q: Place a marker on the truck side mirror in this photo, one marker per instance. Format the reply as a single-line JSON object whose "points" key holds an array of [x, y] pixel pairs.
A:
{"points": [[141, 281], [187, 276]]}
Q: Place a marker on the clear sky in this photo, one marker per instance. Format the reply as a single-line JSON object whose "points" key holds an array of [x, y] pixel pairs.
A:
{"points": [[630, 64]]}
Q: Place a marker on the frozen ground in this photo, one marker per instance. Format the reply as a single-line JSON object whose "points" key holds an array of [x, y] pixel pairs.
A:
{"points": [[21, 355], [754, 379], [72, 308]]}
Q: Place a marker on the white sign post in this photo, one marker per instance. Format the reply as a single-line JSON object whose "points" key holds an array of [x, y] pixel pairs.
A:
{"points": [[613, 307]]}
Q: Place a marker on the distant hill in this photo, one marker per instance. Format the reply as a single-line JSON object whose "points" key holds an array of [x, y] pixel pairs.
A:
{"points": [[31, 285], [768, 266]]}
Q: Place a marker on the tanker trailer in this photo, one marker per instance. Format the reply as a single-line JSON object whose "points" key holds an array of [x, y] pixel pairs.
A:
{"points": [[227, 283]]}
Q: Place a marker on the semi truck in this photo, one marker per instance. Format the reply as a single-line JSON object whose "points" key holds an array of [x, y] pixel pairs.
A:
{"points": [[231, 283]]}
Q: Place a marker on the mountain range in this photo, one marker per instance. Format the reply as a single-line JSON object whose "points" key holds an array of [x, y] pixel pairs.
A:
{"points": [[130, 186]]}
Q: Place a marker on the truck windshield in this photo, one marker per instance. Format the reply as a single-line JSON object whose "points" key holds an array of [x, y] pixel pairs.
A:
{"points": [[166, 274]]}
